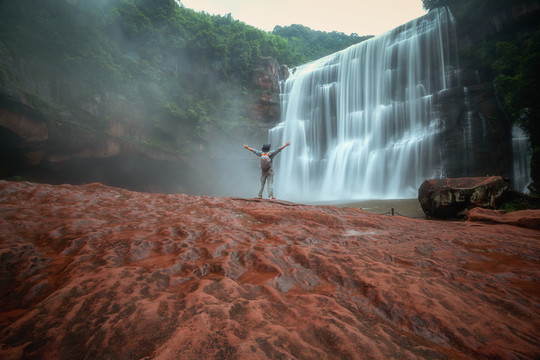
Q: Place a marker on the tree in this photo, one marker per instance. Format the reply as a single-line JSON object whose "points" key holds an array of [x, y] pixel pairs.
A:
{"points": [[432, 4]]}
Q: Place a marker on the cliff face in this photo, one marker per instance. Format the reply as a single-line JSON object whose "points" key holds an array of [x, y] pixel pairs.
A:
{"points": [[475, 105], [108, 139], [478, 36], [74, 147], [514, 18], [100, 272], [266, 79]]}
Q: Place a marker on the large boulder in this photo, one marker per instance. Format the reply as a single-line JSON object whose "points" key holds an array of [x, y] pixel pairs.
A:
{"points": [[450, 197]]}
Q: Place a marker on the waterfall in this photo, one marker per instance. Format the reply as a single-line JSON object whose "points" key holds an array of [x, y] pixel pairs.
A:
{"points": [[363, 122], [521, 149]]}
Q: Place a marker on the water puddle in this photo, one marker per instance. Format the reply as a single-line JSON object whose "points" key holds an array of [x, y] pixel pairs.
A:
{"points": [[402, 207]]}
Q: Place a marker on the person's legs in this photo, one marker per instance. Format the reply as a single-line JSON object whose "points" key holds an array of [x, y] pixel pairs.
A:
{"points": [[270, 181], [263, 180]]}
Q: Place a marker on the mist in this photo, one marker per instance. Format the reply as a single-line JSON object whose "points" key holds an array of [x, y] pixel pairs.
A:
{"points": [[130, 98], [237, 175]]}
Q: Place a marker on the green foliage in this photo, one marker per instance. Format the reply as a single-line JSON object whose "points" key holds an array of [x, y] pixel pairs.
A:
{"points": [[432, 4], [42, 106], [6, 74], [474, 8], [184, 70], [517, 78], [310, 44], [514, 202], [517, 83]]}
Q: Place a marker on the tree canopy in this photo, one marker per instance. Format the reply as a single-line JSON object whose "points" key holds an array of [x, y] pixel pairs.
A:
{"points": [[185, 69], [311, 44]]}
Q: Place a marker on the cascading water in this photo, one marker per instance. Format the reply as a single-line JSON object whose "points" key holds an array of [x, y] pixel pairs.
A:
{"points": [[362, 122], [521, 149]]}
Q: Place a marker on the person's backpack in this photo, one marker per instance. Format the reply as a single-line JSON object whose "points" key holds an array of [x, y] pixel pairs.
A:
{"points": [[266, 162]]}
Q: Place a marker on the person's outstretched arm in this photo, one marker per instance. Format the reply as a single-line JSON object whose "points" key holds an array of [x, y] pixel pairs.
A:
{"points": [[279, 149], [284, 146], [258, 153]]}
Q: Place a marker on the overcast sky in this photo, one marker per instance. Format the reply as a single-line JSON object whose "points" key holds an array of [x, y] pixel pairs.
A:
{"points": [[364, 17]]}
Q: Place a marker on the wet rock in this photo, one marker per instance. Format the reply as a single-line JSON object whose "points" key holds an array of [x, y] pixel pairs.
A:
{"points": [[284, 72], [447, 198], [266, 78], [111, 273], [526, 218], [26, 127]]}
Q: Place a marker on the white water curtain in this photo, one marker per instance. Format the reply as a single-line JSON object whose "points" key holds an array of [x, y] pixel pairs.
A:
{"points": [[362, 122]]}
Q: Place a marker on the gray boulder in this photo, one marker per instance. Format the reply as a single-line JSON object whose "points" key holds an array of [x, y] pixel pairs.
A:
{"points": [[452, 197]]}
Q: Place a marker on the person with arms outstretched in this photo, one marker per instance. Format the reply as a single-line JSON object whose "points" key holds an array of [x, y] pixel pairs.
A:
{"points": [[267, 173]]}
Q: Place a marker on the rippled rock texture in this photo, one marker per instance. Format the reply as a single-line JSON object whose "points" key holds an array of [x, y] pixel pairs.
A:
{"points": [[525, 218], [102, 273]]}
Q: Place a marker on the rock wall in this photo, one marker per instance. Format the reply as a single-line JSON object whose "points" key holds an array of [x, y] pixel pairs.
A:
{"points": [[72, 147], [477, 36], [76, 145], [477, 140], [266, 80]]}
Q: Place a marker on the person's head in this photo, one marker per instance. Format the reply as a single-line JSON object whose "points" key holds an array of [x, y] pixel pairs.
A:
{"points": [[266, 147]]}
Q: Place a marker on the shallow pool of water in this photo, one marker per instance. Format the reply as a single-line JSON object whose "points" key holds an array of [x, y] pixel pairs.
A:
{"points": [[404, 207]]}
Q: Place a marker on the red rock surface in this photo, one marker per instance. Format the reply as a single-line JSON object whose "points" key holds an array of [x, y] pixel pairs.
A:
{"points": [[525, 218], [103, 273]]}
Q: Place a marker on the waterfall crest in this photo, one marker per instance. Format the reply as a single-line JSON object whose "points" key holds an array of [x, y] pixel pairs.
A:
{"points": [[363, 122]]}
